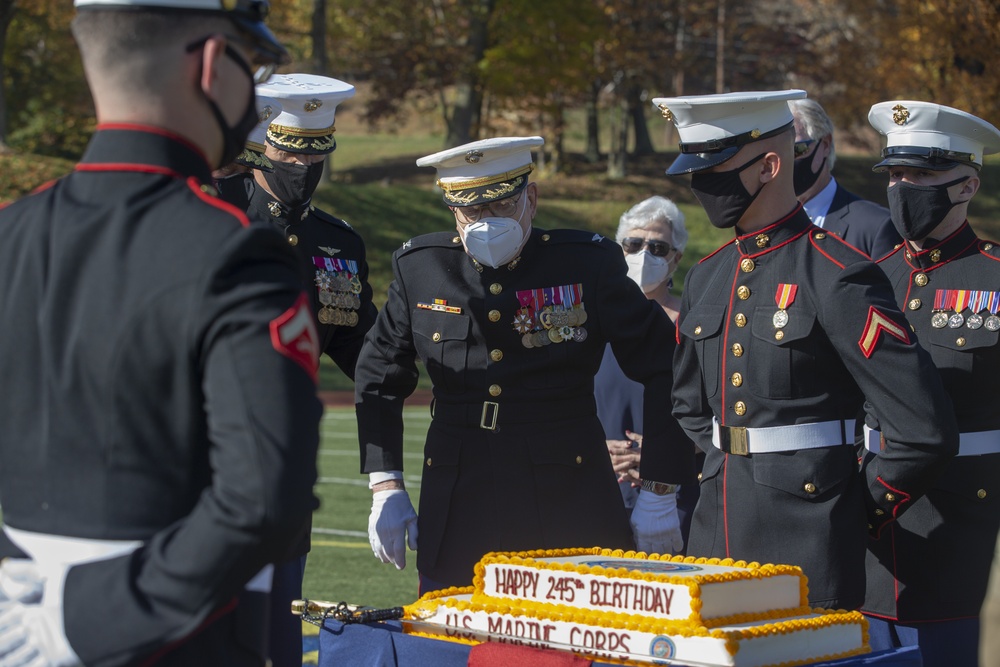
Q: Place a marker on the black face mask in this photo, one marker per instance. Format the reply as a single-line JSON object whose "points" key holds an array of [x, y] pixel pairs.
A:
{"points": [[803, 177], [722, 194], [236, 189], [294, 184], [234, 138], [917, 209]]}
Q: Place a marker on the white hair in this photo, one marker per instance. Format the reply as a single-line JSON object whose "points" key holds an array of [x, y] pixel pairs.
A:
{"points": [[652, 210], [815, 122]]}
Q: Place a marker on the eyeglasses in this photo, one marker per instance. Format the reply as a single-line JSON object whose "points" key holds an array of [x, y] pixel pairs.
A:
{"points": [[633, 245], [266, 64], [802, 147], [501, 208]]}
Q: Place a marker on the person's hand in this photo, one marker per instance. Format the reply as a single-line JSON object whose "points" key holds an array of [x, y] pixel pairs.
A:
{"points": [[655, 523], [31, 616], [391, 526], [625, 456]]}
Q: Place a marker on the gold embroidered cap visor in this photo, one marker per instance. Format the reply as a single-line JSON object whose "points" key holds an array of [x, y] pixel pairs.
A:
{"points": [[255, 159], [299, 140], [713, 128], [248, 15], [483, 171]]}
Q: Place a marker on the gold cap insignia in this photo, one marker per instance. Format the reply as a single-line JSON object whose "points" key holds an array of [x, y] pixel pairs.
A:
{"points": [[472, 157], [665, 111], [313, 104], [755, 133], [900, 114], [265, 113]]}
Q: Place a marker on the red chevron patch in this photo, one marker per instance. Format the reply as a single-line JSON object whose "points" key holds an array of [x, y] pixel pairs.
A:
{"points": [[877, 323]]}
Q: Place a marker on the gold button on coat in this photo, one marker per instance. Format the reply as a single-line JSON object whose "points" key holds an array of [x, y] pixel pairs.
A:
{"points": [[981, 493], [879, 512], [697, 330], [737, 350], [495, 390], [920, 279], [935, 255], [496, 355], [810, 487], [914, 304], [579, 460], [494, 316], [737, 379], [747, 265], [779, 334], [819, 236], [428, 460], [743, 292], [960, 342], [436, 337], [890, 497], [545, 237], [740, 408], [293, 239], [496, 288], [456, 239], [741, 320]]}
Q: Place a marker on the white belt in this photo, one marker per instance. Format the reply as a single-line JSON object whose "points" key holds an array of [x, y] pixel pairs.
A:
{"points": [[969, 444], [764, 440]]}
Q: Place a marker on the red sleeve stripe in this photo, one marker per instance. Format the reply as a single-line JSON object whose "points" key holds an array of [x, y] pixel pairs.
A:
{"points": [[128, 166]]}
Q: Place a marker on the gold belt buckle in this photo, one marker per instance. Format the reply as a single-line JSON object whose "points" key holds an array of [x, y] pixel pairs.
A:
{"points": [[490, 412], [734, 440]]}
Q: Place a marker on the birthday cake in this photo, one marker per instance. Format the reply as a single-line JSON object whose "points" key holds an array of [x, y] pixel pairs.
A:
{"points": [[630, 608]]}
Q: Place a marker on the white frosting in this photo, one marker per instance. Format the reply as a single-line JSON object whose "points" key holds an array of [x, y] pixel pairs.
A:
{"points": [[784, 643], [656, 599]]}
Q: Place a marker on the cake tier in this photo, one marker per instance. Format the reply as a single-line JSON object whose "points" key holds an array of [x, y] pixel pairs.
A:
{"points": [[808, 636], [708, 591]]}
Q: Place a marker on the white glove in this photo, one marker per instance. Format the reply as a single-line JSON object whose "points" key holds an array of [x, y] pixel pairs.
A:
{"points": [[392, 526], [32, 633], [655, 523]]}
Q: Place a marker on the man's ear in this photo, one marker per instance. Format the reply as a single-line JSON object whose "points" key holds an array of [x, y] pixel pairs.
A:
{"points": [[969, 189], [211, 52], [532, 192], [769, 166]]}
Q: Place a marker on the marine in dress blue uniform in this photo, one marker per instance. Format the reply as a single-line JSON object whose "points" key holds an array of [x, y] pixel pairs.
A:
{"points": [[928, 572], [862, 223], [511, 335], [235, 181], [332, 261], [783, 332], [160, 447]]}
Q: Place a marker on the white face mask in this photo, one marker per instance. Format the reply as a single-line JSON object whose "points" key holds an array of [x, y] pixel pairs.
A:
{"points": [[648, 271], [494, 241]]}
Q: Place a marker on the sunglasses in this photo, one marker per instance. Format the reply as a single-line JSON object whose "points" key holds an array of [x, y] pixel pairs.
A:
{"points": [[802, 147], [633, 245]]}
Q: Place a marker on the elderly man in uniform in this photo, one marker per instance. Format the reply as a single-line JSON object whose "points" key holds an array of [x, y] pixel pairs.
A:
{"points": [[928, 572], [235, 181], [160, 448], [863, 224], [783, 333], [511, 322]]}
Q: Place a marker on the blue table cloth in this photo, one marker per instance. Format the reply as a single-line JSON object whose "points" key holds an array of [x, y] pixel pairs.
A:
{"points": [[385, 645]]}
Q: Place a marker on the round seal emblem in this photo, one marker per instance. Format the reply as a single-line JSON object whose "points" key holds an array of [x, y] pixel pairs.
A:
{"points": [[661, 648]]}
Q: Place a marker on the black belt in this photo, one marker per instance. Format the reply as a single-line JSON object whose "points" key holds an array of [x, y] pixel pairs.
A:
{"points": [[487, 414]]}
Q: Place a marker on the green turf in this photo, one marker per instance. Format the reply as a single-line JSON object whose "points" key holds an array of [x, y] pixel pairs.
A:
{"points": [[341, 566]]}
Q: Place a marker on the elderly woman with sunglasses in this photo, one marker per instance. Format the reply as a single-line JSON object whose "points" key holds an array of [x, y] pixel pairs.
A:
{"points": [[652, 236]]}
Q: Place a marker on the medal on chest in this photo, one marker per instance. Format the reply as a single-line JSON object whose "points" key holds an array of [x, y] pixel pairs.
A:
{"points": [[338, 291], [551, 315], [783, 297]]}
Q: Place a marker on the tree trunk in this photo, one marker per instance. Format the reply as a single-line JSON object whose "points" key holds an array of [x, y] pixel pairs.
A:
{"points": [[463, 123], [320, 63], [637, 112], [558, 134], [593, 152], [7, 9], [619, 143], [720, 49]]}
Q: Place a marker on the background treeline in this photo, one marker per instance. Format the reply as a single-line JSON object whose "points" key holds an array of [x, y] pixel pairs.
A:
{"points": [[484, 66]]}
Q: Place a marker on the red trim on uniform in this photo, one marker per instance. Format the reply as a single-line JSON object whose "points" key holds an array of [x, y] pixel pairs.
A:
{"points": [[725, 345], [780, 245], [984, 253], [849, 245], [195, 186], [770, 226], [152, 129], [882, 616], [905, 496], [812, 240], [677, 329], [45, 186], [212, 618], [714, 252], [725, 508], [129, 166], [889, 254], [876, 324], [293, 334]]}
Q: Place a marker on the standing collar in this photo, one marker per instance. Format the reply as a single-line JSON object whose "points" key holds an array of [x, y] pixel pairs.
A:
{"points": [[934, 254], [277, 211], [787, 229], [144, 149]]}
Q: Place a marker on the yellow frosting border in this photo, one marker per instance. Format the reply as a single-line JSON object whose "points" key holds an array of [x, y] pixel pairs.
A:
{"points": [[612, 620], [752, 570]]}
